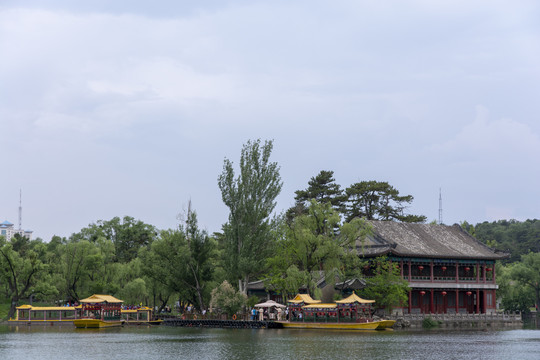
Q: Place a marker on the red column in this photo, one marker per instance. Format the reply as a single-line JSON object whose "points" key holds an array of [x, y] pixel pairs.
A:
{"points": [[457, 301], [410, 301], [484, 272], [478, 301], [431, 302]]}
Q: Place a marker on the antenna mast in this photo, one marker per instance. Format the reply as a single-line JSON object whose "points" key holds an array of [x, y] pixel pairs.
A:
{"points": [[440, 207], [20, 209]]}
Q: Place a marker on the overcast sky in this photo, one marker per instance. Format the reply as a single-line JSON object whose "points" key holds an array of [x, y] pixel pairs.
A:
{"points": [[130, 108]]}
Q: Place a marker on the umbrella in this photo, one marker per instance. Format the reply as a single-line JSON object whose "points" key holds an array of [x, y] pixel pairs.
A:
{"points": [[270, 303]]}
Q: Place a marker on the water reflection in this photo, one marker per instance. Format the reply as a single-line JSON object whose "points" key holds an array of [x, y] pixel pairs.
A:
{"points": [[37, 342]]}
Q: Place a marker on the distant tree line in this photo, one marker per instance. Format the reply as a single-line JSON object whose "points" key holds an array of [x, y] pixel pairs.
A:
{"points": [[138, 263], [519, 275], [515, 237]]}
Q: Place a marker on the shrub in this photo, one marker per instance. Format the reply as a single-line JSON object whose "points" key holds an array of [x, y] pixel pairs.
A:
{"points": [[227, 299], [429, 323]]}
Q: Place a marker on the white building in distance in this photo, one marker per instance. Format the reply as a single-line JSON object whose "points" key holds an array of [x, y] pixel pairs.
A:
{"points": [[8, 231]]}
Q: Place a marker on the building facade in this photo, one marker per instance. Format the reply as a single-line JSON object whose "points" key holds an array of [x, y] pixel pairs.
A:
{"points": [[8, 231], [447, 269]]}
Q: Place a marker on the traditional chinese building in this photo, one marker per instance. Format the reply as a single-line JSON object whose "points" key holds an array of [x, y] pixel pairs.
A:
{"points": [[448, 270]]}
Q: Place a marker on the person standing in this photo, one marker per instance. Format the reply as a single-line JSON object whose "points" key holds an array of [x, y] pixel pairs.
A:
{"points": [[253, 314]]}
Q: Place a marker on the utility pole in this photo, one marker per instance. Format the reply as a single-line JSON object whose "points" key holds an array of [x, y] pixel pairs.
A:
{"points": [[440, 207], [20, 209]]}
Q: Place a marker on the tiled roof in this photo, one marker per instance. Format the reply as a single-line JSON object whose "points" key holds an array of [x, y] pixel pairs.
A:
{"points": [[424, 240]]}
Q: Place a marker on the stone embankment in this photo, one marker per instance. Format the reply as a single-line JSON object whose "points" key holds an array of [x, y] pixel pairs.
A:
{"points": [[497, 320]]}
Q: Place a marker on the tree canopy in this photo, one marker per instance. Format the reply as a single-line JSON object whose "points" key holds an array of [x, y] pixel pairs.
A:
{"points": [[251, 199], [378, 200], [314, 244], [321, 188]]}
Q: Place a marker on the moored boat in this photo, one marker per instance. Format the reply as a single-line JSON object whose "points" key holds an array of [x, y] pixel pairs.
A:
{"points": [[142, 315], [45, 315], [351, 313], [100, 311]]}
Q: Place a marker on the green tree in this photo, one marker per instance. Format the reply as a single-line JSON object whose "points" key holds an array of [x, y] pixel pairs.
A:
{"points": [[102, 269], [514, 237], [23, 271], [251, 199], [72, 268], [227, 299], [321, 188], [314, 243], [127, 235], [527, 273], [514, 295], [375, 200], [182, 260], [134, 292], [386, 286]]}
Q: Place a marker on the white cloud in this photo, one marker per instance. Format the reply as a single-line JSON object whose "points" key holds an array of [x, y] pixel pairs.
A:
{"points": [[493, 141]]}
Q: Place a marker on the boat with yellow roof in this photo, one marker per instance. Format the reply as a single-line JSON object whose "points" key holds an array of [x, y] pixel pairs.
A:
{"points": [[351, 313], [100, 311], [46, 315]]}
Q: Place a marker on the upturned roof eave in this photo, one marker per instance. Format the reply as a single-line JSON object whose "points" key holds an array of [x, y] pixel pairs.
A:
{"points": [[390, 251]]}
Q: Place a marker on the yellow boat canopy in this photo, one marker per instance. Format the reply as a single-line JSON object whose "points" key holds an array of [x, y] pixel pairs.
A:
{"points": [[47, 308], [354, 298], [141, 309], [304, 298], [96, 299]]}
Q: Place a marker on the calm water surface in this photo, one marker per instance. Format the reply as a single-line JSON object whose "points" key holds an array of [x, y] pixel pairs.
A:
{"points": [[37, 342]]}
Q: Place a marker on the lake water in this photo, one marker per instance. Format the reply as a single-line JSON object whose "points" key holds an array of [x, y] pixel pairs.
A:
{"points": [[163, 342]]}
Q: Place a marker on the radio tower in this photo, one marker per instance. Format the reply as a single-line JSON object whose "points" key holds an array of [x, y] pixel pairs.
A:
{"points": [[20, 209], [440, 207]]}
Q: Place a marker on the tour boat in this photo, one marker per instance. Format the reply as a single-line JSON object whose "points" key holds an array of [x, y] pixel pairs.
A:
{"points": [[351, 313], [46, 315], [139, 316], [100, 311]]}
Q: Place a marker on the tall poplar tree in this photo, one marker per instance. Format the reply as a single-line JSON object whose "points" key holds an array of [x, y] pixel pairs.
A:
{"points": [[251, 199]]}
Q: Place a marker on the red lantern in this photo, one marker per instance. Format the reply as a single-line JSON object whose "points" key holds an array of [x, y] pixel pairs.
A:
{"points": [[420, 268], [488, 269], [443, 268], [467, 268], [469, 293], [422, 293], [443, 293]]}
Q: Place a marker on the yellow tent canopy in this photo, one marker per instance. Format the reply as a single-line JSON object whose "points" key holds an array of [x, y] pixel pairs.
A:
{"points": [[354, 298], [304, 298], [96, 299]]}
